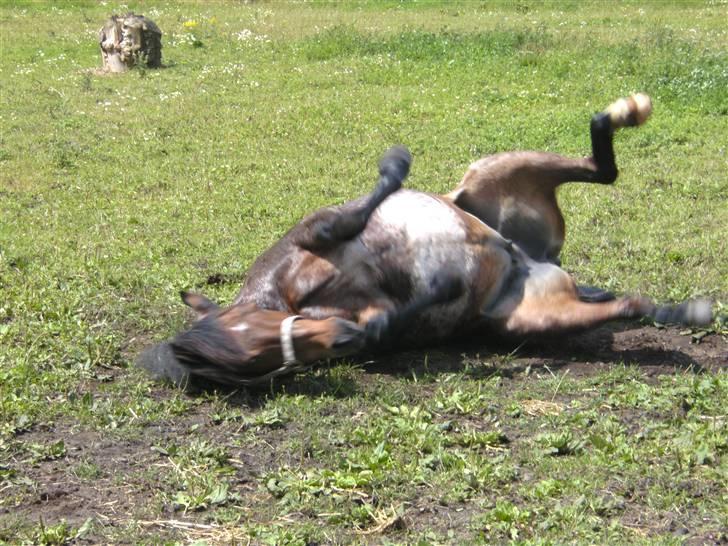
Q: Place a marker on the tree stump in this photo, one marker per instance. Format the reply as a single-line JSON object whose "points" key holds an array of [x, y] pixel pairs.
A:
{"points": [[130, 40]]}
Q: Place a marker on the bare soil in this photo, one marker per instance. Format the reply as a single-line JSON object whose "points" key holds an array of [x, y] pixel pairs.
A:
{"points": [[655, 350]]}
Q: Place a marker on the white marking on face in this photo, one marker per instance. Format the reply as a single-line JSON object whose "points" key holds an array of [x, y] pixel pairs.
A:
{"points": [[240, 327]]}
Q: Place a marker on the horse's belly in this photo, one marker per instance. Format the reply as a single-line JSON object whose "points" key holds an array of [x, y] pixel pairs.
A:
{"points": [[425, 236]]}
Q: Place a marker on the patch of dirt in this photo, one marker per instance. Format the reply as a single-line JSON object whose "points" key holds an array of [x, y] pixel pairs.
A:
{"points": [[655, 351], [58, 493]]}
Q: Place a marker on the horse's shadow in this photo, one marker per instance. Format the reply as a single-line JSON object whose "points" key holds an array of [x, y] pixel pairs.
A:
{"points": [[508, 357], [477, 358]]}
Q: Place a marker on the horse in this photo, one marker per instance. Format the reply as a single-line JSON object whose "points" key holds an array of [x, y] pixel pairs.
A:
{"points": [[401, 268]]}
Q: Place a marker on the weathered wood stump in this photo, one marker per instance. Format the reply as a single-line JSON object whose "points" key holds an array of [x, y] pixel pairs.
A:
{"points": [[130, 40]]}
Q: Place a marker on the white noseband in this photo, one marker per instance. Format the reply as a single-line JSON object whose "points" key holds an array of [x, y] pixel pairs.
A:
{"points": [[289, 354]]}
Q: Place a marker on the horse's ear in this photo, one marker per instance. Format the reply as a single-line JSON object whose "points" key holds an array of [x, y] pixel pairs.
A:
{"points": [[199, 304]]}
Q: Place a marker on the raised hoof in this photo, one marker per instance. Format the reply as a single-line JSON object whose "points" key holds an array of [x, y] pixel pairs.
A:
{"points": [[631, 111], [395, 164]]}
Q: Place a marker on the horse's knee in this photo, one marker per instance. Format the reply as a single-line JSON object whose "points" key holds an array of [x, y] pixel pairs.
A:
{"points": [[446, 286], [333, 228], [383, 327]]}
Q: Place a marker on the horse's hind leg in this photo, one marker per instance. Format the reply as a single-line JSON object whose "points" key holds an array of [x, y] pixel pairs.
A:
{"points": [[627, 112], [332, 226], [564, 314], [514, 192]]}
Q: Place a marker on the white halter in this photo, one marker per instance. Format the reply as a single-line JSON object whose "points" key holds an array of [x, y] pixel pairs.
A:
{"points": [[290, 362], [289, 354]]}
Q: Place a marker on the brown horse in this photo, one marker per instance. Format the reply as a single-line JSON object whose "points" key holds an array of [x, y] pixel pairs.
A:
{"points": [[403, 268]]}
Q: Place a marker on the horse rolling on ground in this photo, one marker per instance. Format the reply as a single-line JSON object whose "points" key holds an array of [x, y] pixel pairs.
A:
{"points": [[400, 266]]}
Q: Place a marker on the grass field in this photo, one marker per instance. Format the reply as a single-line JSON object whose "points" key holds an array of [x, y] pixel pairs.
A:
{"points": [[118, 191]]}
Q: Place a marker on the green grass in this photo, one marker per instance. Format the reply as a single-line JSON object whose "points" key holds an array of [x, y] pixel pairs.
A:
{"points": [[117, 192]]}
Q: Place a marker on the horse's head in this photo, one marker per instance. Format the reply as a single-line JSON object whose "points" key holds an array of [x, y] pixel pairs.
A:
{"points": [[243, 342]]}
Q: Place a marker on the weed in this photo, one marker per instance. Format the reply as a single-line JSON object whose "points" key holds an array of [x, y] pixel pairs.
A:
{"points": [[560, 443], [59, 534], [505, 520], [200, 475]]}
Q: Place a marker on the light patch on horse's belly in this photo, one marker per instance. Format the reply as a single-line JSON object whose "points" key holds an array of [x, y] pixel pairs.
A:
{"points": [[545, 279], [433, 233], [430, 239], [421, 215]]}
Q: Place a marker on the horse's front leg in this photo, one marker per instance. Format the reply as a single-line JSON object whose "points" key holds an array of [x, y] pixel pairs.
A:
{"points": [[383, 328], [334, 226]]}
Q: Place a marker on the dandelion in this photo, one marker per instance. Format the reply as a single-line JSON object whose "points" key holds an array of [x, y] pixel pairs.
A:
{"points": [[247, 35], [189, 24]]}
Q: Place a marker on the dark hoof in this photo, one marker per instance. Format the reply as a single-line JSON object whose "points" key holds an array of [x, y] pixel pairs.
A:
{"points": [[691, 313], [349, 337], [377, 329], [395, 164]]}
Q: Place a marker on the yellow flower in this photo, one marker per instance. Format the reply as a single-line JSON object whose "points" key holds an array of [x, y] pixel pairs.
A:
{"points": [[189, 24]]}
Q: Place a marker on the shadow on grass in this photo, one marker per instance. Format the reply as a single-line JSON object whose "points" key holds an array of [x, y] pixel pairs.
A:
{"points": [[656, 351], [619, 343]]}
